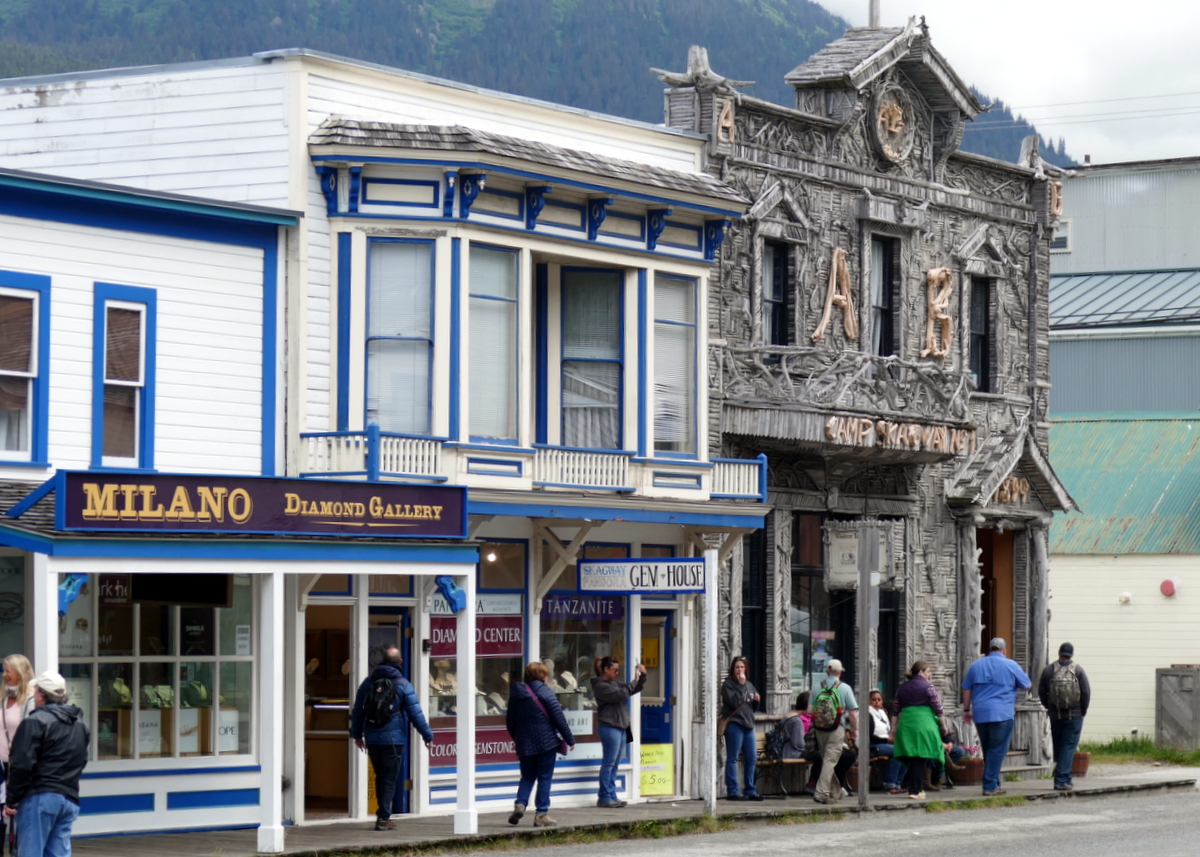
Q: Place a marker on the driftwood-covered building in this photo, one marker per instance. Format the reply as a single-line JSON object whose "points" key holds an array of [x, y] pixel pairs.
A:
{"points": [[879, 329]]}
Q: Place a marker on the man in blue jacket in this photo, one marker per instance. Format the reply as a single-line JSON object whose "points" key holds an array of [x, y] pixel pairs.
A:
{"points": [[384, 742]]}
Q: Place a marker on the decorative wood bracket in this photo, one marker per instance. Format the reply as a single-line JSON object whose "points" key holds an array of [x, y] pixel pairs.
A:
{"points": [[656, 222], [355, 189], [305, 584], [597, 210], [329, 185], [535, 201], [472, 184], [839, 294], [448, 198], [695, 537], [566, 555], [714, 234]]}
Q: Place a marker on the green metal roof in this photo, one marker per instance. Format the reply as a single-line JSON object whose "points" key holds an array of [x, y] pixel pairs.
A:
{"points": [[1137, 479]]}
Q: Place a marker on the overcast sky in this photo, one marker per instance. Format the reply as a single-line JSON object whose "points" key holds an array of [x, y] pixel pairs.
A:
{"points": [[1032, 53]]}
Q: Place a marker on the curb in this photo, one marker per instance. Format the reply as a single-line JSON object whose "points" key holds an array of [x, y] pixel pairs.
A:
{"points": [[462, 842]]}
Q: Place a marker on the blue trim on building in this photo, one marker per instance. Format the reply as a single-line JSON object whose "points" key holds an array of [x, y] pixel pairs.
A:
{"points": [[535, 201], [103, 293], [448, 200], [271, 352], [328, 179], [496, 467], [39, 412], [456, 338], [171, 772], [435, 186], [542, 344], [557, 181], [212, 798], [605, 513], [656, 222], [345, 261], [114, 804], [355, 189], [684, 481], [643, 392]]}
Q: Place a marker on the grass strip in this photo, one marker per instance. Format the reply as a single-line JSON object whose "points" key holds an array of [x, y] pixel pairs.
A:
{"points": [[976, 803], [1121, 750]]}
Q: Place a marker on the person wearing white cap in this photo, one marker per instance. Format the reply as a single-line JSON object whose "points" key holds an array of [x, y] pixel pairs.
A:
{"points": [[48, 755], [990, 701]]}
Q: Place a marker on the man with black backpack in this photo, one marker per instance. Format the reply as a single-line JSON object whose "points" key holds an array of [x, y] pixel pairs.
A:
{"points": [[1065, 693], [384, 707]]}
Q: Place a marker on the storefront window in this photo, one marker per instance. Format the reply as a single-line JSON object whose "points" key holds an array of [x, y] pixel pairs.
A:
{"points": [[148, 677], [389, 584], [499, 657], [12, 604]]}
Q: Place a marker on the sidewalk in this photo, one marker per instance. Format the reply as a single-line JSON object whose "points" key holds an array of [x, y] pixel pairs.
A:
{"points": [[352, 836]]}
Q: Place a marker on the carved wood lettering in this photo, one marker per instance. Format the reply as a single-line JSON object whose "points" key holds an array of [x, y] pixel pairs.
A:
{"points": [[725, 125], [838, 294], [886, 434], [1013, 490]]}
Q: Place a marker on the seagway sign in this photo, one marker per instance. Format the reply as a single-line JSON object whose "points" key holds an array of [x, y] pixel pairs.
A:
{"points": [[636, 576]]}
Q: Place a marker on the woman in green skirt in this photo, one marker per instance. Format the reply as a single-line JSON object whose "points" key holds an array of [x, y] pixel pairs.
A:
{"points": [[916, 712]]}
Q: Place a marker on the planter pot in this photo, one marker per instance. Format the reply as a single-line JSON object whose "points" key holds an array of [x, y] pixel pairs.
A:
{"points": [[971, 775], [1079, 766]]}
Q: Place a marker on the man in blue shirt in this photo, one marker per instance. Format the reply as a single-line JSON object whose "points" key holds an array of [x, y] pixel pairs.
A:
{"points": [[989, 701]]}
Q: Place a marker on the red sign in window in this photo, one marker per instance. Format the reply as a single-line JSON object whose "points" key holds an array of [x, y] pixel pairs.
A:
{"points": [[495, 636]]}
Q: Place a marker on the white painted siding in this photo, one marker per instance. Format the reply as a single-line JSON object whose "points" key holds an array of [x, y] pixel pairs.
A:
{"points": [[209, 373], [1121, 645], [216, 132]]}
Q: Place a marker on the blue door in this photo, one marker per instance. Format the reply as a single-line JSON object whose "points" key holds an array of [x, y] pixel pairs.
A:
{"points": [[658, 697], [389, 626]]}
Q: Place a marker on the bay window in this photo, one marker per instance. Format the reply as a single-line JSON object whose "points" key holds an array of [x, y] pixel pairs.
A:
{"points": [[493, 344], [674, 365], [399, 334]]}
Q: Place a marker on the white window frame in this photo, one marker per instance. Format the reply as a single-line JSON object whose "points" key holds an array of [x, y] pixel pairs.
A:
{"points": [[30, 376]]}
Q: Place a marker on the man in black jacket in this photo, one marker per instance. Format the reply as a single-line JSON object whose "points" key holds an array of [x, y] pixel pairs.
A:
{"points": [[48, 754], [1065, 692]]}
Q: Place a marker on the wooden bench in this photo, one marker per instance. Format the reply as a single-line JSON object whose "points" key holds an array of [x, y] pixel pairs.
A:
{"points": [[769, 764]]}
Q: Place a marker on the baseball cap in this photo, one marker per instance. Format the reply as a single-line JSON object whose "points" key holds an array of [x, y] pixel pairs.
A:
{"points": [[49, 682], [1066, 649], [834, 666], [997, 644]]}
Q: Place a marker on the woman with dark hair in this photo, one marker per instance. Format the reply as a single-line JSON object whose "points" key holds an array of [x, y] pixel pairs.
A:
{"points": [[738, 699], [917, 733], [537, 725], [612, 718]]}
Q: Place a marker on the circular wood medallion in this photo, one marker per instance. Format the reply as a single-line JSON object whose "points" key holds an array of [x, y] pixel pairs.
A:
{"points": [[894, 126]]}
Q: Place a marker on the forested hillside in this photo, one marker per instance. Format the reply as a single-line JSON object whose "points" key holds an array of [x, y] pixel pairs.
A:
{"points": [[593, 54]]}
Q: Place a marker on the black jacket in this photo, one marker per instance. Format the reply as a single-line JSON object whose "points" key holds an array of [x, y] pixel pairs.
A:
{"points": [[48, 753], [1085, 692]]}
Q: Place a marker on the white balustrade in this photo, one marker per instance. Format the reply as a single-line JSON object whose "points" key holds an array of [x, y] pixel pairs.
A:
{"points": [[736, 478], [410, 455], [348, 454], [557, 466], [336, 454]]}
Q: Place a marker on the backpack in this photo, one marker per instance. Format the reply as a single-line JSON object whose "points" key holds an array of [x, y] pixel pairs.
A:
{"points": [[827, 709], [381, 704], [775, 741], [1064, 687]]}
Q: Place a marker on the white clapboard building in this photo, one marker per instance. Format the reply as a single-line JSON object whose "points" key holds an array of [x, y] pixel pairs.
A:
{"points": [[484, 294]]}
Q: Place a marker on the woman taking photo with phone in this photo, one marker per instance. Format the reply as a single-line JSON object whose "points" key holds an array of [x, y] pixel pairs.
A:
{"points": [[612, 718]]}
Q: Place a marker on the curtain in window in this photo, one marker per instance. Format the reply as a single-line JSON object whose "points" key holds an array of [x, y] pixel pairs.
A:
{"points": [[492, 344], [591, 369], [16, 356], [123, 374], [674, 365], [399, 336]]}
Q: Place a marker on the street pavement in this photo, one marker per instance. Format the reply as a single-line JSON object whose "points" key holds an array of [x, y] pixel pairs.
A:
{"points": [[1166, 825]]}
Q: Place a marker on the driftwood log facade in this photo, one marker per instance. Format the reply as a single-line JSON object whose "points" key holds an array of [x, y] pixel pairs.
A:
{"points": [[879, 328]]}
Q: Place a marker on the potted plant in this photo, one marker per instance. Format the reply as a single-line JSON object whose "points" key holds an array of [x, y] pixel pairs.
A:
{"points": [[1079, 765], [972, 768]]}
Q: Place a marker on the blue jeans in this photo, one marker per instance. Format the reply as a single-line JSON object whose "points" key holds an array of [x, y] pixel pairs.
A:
{"points": [[385, 759], [44, 825], [1064, 734], [540, 768], [612, 741], [993, 740], [739, 740]]}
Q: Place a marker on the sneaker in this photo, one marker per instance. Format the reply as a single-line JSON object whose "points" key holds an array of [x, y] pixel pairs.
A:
{"points": [[828, 801], [544, 821], [755, 796], [619, 804], [734, 797], [898, 791], [518, 811], [994, 793], [385, 824], [1064, 788], [918, 796]]}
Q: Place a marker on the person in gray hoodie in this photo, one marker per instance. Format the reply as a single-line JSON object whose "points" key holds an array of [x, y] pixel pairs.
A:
{"points": [[612, 717]]}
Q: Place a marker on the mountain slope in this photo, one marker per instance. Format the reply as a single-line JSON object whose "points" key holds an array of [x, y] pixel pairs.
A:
{"points": [[593, 54]]}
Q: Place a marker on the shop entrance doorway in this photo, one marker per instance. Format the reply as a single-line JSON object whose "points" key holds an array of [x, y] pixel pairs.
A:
{"points": [[390, 626], [996, 569], [327, 698], [658, 696]]}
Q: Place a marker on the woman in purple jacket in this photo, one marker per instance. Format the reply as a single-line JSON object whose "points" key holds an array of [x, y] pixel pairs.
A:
{"points": [[535, 721], [918, 710]]}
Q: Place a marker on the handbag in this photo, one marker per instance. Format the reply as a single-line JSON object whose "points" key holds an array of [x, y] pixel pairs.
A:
{"points": [[563, 746], [723, 722], [628, 734]]}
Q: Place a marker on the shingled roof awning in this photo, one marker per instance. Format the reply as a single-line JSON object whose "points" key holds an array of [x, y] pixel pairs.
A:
{"points": [[341, 131]]}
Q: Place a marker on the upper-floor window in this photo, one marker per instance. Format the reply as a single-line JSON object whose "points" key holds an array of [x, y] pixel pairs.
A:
{"points": [[674, 364], [123, 372], [777, 294], [493, 344], [24, 374], [591, 358], [400, 335], [981, 334], [1060, 238], [883, 295]]}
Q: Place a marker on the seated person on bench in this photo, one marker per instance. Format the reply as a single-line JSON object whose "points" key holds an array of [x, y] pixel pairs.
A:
{"points": [[796, 725]]}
